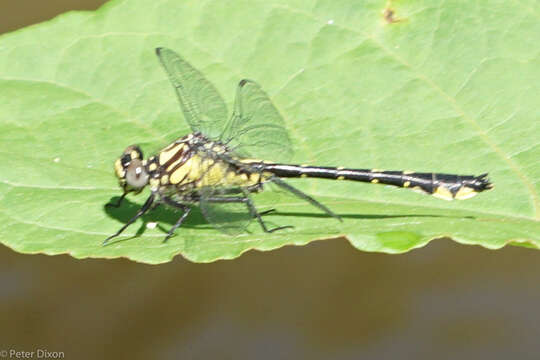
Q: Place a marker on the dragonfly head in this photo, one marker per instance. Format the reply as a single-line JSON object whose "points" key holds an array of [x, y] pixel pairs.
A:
{"points": [[130, 170]]}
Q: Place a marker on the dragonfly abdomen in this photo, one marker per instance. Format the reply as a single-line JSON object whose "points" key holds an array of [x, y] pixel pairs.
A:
{"points": [[444, 186]]}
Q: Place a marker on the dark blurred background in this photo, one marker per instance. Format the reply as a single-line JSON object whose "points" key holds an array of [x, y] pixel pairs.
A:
{"points": [[321, 301]]}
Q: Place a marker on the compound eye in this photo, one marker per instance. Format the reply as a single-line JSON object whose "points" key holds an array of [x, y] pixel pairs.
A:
{"points": [[136, 175], [125, 160]]}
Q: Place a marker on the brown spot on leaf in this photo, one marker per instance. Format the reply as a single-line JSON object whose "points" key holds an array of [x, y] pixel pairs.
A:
{"points": [[389, 16]]}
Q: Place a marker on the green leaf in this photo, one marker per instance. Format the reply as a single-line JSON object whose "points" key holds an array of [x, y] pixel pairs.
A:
{"points": [[437, 86]]}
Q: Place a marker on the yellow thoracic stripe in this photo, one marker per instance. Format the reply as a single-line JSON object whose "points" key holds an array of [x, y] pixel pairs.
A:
{"points": [[169, 152]]}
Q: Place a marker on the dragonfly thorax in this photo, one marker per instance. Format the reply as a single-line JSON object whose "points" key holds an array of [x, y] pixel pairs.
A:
{"points": [[194, 162]]}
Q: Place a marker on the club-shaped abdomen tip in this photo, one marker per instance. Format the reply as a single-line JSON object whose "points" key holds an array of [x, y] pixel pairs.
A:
{"points": [[472, 187], [481, 183]]}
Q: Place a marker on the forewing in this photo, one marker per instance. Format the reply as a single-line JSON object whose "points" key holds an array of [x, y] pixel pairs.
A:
{"points": [[203, 107], [256, 129]]}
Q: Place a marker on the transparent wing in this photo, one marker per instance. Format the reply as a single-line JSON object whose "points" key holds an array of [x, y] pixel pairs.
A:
{"points": [[225, 209], [203, 107], [256, 129]]}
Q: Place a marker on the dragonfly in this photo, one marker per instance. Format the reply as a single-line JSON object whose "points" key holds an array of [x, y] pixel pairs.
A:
{"points": [[226, 159]]}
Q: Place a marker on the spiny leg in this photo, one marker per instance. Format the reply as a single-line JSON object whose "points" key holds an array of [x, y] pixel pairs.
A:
{"points": [[186, 209], [257, 215], [120, 199], [266, 212], [245, 191], [139, 213], [251, 207], [238, 190]]}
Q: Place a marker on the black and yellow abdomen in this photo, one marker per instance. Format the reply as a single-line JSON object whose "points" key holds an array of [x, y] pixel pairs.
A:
{"points": [[443, 186]]}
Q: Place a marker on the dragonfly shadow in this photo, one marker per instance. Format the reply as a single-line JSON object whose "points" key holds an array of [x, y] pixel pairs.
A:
{"points": [[368, 216], [164, 216], [168, 215], [161, 215]]}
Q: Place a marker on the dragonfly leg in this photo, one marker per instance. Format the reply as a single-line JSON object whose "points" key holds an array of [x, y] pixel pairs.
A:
{"points": [[117, 204], [266, 212], [251, 207], [186, 210], [139, 213], [257, 215]]}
